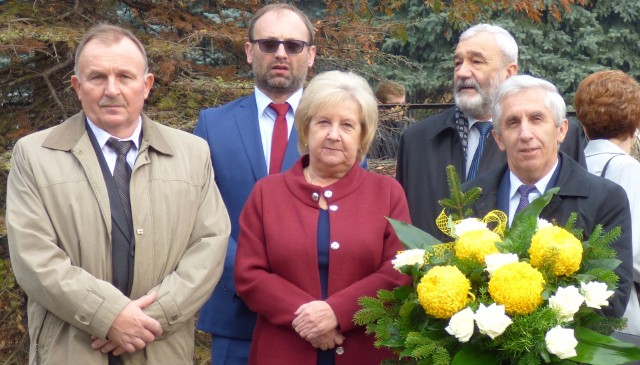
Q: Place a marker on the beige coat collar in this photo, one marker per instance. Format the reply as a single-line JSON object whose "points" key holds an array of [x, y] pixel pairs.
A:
{"points": [[68, 134]]}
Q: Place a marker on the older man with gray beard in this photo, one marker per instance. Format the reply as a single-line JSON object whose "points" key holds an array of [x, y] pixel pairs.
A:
{"points": [[486, 55]]}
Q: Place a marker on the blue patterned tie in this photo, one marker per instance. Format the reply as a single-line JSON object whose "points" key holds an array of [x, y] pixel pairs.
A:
{"points": [[122, 173], [524, 191], [484, 128]]}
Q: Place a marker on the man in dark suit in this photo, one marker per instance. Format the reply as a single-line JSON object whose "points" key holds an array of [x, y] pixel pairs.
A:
{"points": [[529, 124], [486, 55], [244, 148]]}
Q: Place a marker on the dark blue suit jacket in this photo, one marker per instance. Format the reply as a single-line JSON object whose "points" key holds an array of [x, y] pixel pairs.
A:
{"points": [[233, 134], [595, 199]]}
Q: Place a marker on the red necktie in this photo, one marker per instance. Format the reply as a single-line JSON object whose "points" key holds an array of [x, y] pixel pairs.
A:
{"points": [[279, 137]]}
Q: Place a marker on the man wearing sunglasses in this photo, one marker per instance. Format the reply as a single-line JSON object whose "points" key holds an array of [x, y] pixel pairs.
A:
{"points": [[249, 140]]}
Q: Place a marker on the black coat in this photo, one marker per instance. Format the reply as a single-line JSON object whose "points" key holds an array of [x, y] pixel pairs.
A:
{"points": [[433, 143], [595, 199]]}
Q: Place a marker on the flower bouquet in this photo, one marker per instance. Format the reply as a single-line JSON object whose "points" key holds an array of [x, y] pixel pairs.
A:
{"points": [[529, 294]]}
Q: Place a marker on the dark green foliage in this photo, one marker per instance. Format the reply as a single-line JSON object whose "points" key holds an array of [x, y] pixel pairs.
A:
{"points": [[458, 202]]}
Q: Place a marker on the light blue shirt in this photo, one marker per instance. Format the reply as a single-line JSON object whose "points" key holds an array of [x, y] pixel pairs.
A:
{"points": [[473, 141]]}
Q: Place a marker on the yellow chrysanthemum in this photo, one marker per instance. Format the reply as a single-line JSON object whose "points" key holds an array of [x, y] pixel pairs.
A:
{"points": [[475, 245], [443, 291], [556, 247], [518, 286]]}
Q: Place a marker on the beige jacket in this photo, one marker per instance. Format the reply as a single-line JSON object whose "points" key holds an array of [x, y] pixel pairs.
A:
{"points": [[59, 230]]}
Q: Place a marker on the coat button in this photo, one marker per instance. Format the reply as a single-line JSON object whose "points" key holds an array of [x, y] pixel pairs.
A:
{"points": [[315, 196], [335, 245], [339, 350], [328, 194], [333, 208]]}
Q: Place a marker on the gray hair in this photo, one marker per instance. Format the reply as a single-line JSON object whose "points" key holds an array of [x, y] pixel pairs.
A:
{"points": [[503, 39], [332, 88], [108, 34], [516, 84]]}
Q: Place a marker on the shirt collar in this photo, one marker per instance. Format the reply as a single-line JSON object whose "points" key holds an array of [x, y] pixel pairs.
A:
{"points": [[541, 185], [263, 101], [102, 136]]}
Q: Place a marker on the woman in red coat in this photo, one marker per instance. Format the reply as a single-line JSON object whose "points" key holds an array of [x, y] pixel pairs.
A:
{"points": [[315, 239]]}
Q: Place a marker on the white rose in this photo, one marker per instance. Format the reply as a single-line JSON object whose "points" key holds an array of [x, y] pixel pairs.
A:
{"points": [[542, 223], [491, 320], [461, 325], [561, 342], [408, 257], [596, 294], [566, 302], [496, 260], [467, 225]]}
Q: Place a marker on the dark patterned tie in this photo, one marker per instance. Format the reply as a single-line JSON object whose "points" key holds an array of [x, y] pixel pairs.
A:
{"points": [[122, 173], [524, 191], [484, 128], [279, 137]]}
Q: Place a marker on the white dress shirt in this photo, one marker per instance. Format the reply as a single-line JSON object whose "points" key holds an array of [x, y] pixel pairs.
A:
{"points": [[267, 119]]}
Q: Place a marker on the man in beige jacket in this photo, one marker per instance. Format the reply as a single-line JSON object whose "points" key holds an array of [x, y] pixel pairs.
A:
{"points": [[115, 272]]}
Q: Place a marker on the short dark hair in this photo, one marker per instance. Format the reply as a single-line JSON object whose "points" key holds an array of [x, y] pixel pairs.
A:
{"points": [[607, 104], [279, 7]]}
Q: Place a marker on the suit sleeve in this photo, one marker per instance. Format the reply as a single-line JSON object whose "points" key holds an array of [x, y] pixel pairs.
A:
{"points": [[575, 142], [264, 292], [226, 279], [345, 302], [43, 269], [182, 293]]}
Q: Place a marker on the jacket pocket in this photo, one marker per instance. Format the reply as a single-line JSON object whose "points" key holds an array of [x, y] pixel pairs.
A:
{"points": [[49, 331]]}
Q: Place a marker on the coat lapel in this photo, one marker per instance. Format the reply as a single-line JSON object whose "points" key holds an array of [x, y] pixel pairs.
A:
{"points": [[246, 120], [71, 136], [291, 155]]}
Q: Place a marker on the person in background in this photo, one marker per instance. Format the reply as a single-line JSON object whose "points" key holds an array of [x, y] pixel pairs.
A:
{"points": [[250, 138], [315, 239], [607, 104], [389, 92], [529, 125], [486, 56], [117, 231]]}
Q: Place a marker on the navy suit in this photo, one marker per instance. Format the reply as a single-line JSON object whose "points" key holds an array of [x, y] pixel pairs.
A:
{"points": [[596, 200], [233, 134]]}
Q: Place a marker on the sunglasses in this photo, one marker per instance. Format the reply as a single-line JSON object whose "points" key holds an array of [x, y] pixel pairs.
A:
{"points": [[272, 45]]}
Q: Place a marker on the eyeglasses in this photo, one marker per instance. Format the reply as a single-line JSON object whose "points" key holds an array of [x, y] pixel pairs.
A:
{"points": [[272, 45]]}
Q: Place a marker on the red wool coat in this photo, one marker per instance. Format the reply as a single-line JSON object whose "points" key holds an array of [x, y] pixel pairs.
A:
{"points": [[277, 266]]}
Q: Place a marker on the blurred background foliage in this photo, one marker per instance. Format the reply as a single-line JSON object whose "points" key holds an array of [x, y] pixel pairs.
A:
{"points": [[196, 51]]}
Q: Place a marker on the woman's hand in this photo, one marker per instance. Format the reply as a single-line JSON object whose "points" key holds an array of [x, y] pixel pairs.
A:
{"points": [[328, 341], [314, 319]]}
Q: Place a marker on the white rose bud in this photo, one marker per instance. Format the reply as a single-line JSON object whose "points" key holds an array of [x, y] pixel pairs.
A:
{"points": [[496, 260], [468, 225], [408, 257], [566, 302], [561, 342], [596, 294], [461, 325], [491, 320]]}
